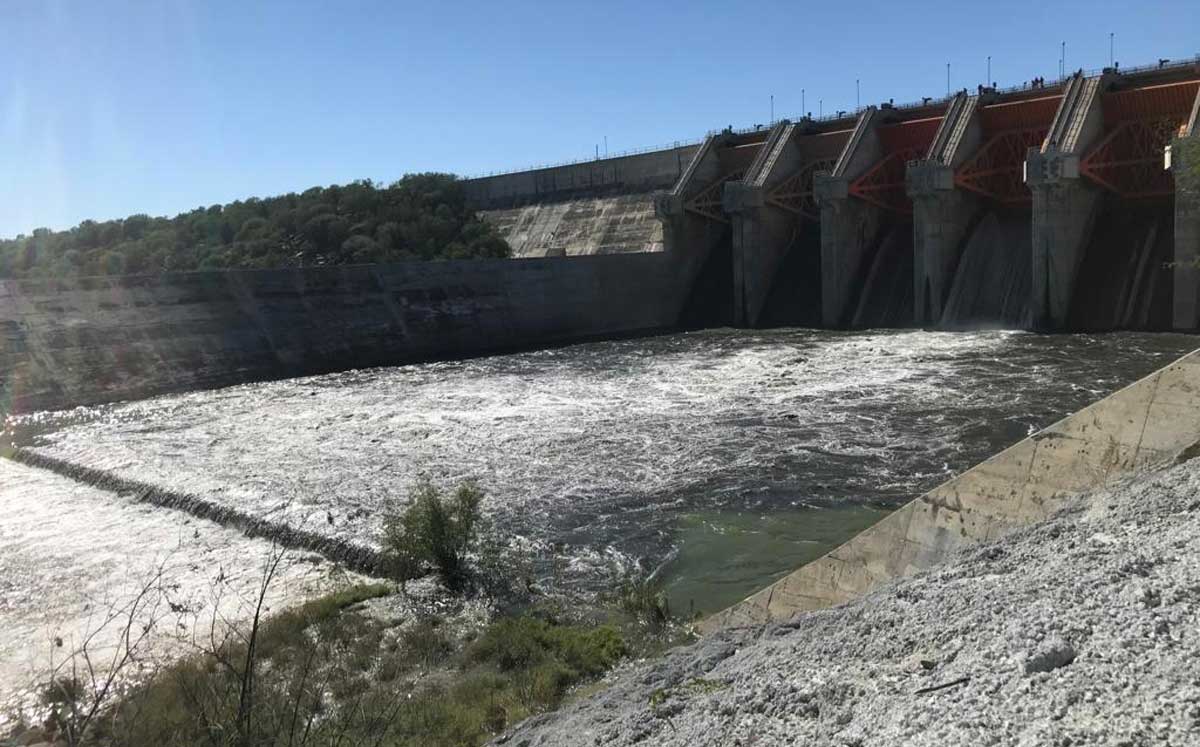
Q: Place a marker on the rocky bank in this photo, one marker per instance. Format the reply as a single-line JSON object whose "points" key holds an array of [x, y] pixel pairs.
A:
{"points": [[1081, 630]]}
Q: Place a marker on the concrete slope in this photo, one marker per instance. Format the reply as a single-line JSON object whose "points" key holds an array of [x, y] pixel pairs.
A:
{"points": [[617, 224], [604, 206], [1146, 422]]}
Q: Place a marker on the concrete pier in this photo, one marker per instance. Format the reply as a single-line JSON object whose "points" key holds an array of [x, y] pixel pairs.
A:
{"points": [[1186, 312], [696, 227], [690, 222], [848, 225], [942, 212], [759, 234], [774, 214], [1064, 205]]}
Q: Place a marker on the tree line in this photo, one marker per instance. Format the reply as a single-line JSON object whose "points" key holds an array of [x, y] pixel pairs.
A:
{"points": [[419, 217]]}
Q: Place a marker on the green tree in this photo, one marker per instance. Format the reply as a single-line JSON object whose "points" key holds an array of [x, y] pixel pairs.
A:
{"points": [[420, 216], [114, 263]]}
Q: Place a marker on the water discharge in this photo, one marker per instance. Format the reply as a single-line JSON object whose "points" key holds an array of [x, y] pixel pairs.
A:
{"points": [[722, 458]]}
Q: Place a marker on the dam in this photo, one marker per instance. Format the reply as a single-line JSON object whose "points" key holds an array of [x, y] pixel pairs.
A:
{"points": [[1050, 206]]}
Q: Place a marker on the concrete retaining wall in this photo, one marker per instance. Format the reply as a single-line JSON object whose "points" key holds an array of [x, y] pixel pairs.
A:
{"points": [[1147, 422], [82, 341]]}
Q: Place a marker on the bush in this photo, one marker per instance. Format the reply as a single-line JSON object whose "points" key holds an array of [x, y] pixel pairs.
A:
{"points": [[426, 643], [434, 531], [327, 675], [525, 643], [286, 630], [644, 598]]}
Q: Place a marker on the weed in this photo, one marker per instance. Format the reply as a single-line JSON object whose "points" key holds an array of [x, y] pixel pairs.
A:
{"points": [[644, 598], [525, 643], [425, 642]]}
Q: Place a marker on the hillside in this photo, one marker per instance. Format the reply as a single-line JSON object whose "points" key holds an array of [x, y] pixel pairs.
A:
{"points": [[419, 217]]}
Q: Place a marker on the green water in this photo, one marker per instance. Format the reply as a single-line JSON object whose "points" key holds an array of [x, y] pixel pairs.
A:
{"points": [[725, 557]]}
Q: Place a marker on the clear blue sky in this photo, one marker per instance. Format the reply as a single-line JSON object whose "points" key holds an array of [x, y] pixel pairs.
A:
{"points": [[112, 108]]}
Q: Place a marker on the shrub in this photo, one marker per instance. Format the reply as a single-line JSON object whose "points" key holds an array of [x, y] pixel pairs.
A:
{"points": [[434, 531], [511, 644], [286, 630], [525, 643], [644, 598], [323, 686], [426, 643], [63, 692]]}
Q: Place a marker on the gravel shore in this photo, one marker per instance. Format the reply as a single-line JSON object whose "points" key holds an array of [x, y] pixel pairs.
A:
{"points": [[1081, 630]]}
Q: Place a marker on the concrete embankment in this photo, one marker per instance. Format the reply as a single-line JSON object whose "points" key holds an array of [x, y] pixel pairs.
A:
{"points": [[88, 340]]}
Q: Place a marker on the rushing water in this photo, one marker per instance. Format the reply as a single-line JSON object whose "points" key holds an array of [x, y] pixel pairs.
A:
{"points": [[723, 458], [73, 559]]}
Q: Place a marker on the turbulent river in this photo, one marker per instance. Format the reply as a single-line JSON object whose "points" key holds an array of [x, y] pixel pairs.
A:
{"points": [[718, 459]]}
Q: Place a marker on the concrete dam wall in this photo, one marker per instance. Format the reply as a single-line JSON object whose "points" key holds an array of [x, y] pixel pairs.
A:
{"points": [[1049, 206], [71, 342], [596, 207]]}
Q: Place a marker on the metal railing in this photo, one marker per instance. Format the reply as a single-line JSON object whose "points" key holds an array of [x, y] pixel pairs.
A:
{"points": [[1047, 84], [607, 157]]}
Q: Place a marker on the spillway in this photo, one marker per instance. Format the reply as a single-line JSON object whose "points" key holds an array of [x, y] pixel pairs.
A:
{"points": [[1122, 281], [992, 280]]}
